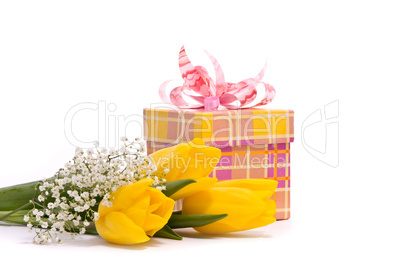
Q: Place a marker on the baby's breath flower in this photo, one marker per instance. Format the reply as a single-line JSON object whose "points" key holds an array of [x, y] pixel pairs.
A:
{"points": [[85, 195], [89, 177]]}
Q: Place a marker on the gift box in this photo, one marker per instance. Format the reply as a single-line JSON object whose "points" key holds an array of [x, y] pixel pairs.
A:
{"points": [[255, 142]]}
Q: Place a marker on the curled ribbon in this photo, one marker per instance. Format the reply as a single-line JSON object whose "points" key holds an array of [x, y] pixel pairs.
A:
{"points": [[199, 86]]}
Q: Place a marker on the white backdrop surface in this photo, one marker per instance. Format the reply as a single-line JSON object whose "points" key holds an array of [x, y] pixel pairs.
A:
{"points": [[341, 58]]}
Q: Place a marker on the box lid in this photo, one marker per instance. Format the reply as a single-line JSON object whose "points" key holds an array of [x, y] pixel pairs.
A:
{"points": [[219, 128]]}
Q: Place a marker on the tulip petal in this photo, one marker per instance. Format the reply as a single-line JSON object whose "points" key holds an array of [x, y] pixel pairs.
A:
{"points": [[186, 160], [271, 207], [261, 221], [266, 218], [241, 205], [166, 209], [265, 185], [117, 228], [221, 228], [201, 161], [197, 141], [138, 210], [216, 228], [125, 196], [156, 199], [171, 158], [157, 217], [153, 222], [201, 184]]}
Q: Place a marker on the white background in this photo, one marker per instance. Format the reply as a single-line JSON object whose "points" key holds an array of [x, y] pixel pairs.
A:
{"points": [[55, 55]]}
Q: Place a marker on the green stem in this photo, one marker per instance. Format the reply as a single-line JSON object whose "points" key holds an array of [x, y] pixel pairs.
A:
{"points": [[14, 211], [36, 203]]}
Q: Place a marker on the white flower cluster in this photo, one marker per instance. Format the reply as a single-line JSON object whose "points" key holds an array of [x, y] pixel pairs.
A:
{"points": [[67, 203]]}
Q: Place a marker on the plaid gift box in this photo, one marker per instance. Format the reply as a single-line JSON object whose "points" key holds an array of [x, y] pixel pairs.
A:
{"points": [[255, 143]]}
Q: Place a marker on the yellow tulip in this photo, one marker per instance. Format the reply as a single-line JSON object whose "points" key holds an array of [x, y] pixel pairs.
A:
{"points": [[138, 212], [191, 160], [245, 201], [202, 183]]}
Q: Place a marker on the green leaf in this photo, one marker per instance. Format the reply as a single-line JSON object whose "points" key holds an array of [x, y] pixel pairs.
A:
{"points": [[167, 232], [174, 186], [15, 196], [91, 231], [17, 217], [185, 221]]}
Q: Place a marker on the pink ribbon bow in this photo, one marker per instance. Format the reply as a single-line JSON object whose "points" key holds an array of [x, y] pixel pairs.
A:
{"points": [[199, 86]]}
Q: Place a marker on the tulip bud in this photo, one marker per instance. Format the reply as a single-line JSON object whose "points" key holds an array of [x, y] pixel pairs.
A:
{"points": [[246, 202], [191, 160], [138, 211]]}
